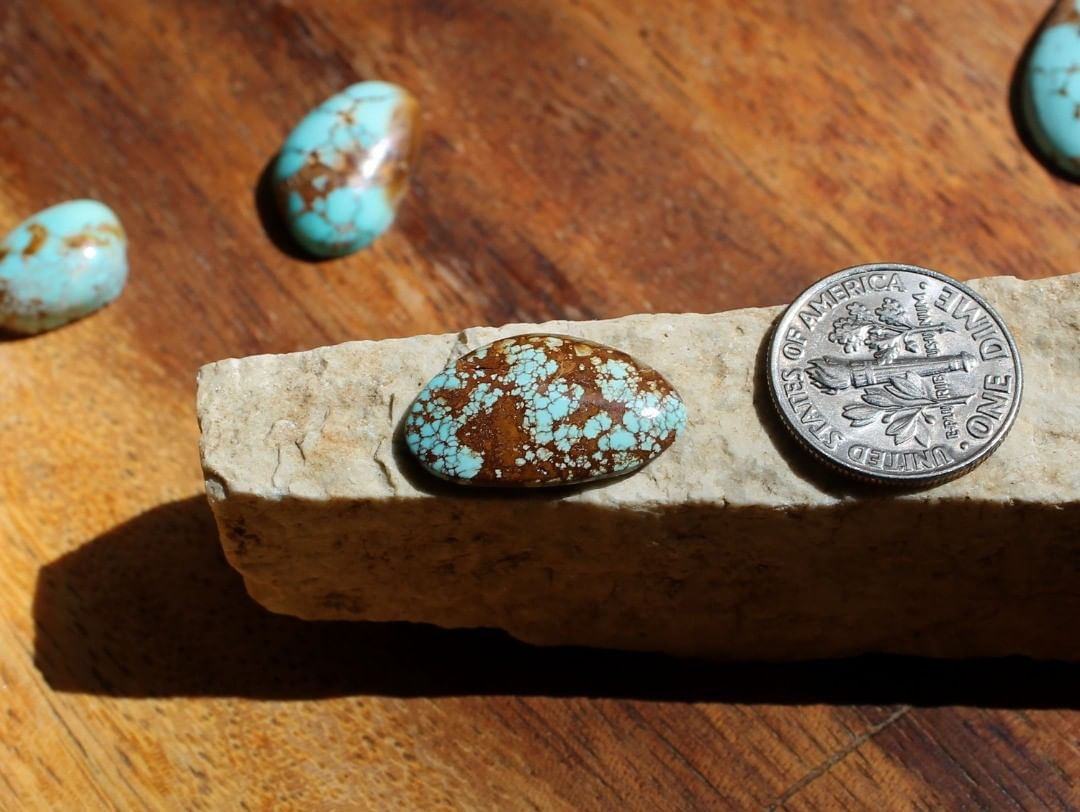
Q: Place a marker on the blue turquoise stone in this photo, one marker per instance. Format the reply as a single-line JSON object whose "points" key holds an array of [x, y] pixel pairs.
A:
{"points": [[542, 410], [60, 265], [1051, 89], [342, 172]]}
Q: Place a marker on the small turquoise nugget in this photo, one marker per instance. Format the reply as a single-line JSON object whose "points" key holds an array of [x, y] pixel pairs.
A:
{"points": [[60, 265], [343, 171]]}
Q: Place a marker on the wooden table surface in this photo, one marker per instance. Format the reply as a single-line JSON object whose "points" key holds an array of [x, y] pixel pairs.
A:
{"points": [[581, 159]]}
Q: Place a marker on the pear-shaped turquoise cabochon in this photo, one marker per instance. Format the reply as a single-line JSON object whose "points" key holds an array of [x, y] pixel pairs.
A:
{"points": [[61, 264], [1051, 89], [342, 172], [542, 410]]}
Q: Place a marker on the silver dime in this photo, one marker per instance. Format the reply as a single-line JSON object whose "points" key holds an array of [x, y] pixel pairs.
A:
{"points": [[895, 374]]}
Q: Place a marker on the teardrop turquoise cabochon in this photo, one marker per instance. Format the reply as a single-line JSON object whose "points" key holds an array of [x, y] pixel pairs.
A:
{"points": [[1051, 91], [342, 171]]}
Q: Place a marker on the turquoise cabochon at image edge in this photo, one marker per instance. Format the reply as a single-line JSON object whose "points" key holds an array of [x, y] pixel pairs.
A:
{"points": [[61, 264], [1051, 89], [342, 171]]}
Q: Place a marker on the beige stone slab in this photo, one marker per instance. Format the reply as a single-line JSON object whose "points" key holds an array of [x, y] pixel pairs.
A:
{"points": [[731, 544]]}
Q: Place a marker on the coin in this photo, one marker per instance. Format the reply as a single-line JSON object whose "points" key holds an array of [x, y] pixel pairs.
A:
{"points": [[895, 374]]}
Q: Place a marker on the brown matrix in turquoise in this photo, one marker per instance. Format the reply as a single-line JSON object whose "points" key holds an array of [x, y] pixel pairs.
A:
{"points": [[536, 410]]}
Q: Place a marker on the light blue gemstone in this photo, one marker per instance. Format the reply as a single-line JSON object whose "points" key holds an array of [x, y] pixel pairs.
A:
{"points": [[542, 409], [342, 171], [1051, 93], [60, 265]]}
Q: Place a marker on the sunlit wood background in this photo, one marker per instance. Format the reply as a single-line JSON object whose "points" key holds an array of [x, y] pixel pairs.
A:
{"points": [[581, 159]]}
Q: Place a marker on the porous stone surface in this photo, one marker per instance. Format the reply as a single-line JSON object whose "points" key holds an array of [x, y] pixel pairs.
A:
{"points": [[731, 544]]}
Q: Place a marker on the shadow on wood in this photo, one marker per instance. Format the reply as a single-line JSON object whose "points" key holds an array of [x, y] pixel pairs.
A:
{"points": [[152, 609], [10, 335]]}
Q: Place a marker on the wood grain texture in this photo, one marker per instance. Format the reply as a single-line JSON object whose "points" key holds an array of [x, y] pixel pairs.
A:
{"points": [[581, 159]]}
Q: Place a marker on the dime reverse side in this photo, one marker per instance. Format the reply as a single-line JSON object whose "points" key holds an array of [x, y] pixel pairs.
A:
{"points": [[895, 374]]}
